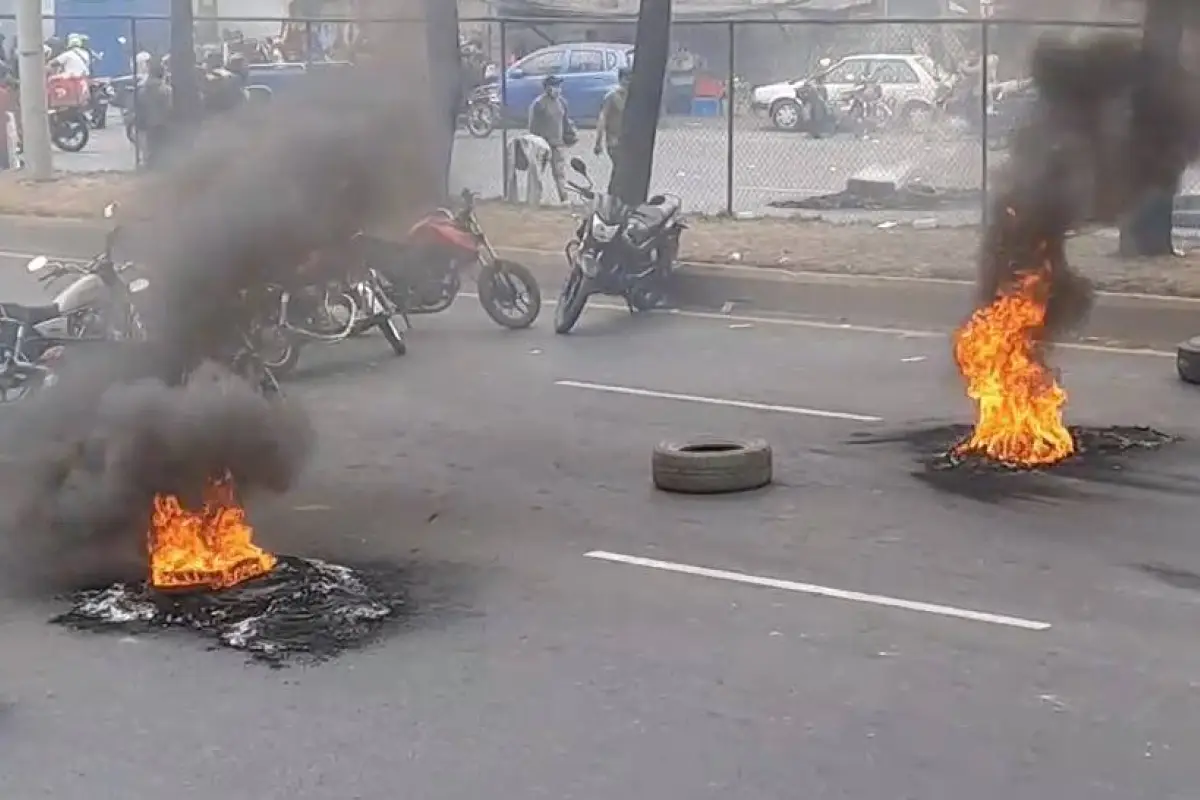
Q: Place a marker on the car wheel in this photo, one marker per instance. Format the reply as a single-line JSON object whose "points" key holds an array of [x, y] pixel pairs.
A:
{"points": [[786, 115], [712, 466]]}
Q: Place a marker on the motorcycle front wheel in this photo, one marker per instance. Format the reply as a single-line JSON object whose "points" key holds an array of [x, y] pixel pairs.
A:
{"points": [[510, 295], [571, 300], [70, 133], [395, 337]]}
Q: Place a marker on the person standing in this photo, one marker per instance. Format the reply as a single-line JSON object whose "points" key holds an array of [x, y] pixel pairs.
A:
{"points": [[152, 114], [608, 127], [549, 120]]}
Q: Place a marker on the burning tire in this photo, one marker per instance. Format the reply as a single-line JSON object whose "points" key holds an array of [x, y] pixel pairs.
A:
{"points": [[712, 466], [1187, 360]]}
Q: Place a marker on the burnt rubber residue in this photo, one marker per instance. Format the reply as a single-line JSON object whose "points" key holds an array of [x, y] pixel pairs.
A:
{"points": [[1115, 455], [304, 610]]}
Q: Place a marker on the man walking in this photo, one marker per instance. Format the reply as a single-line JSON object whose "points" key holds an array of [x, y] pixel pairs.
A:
{"points": [[608, 127], [548, 120]]}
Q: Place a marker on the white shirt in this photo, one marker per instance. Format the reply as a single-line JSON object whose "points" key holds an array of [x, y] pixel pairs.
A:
{"points": [[74, 63]]}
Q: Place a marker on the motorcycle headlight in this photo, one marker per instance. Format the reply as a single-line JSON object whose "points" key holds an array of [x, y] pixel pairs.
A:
{"points": [[602, 231], [589, 264]]}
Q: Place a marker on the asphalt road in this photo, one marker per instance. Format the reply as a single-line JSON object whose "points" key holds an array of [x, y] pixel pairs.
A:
{"points": [[529, 669]]}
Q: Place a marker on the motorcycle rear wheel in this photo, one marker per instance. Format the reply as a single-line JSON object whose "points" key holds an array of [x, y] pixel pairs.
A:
{"points": [[71, 135], [480, 122]]}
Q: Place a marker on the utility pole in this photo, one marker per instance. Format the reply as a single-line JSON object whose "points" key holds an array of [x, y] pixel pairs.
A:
{"points": [[652, 47], [1149, 229], [185, 83], [32, 64]]}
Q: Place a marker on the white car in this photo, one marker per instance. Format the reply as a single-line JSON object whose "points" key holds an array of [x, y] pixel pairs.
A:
{"points": [[909, 83]]}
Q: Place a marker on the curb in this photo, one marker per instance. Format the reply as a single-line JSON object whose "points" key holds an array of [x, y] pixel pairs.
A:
{"points": [[1144, 320]]}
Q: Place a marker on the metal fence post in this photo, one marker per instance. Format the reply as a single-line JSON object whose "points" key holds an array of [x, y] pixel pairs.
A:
{"points": [[308, 42], [503, 108], [730, 104], [985, 103], [133, 49]]}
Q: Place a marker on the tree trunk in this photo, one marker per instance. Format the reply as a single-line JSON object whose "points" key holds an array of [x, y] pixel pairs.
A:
{"points": [[1148, 230]]}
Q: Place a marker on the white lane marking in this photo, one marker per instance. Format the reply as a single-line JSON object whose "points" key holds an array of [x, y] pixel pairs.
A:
{"points": [[821, 591], [903, 333], [717, 401]]}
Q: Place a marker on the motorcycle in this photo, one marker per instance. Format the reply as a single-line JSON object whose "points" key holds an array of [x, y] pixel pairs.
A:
{"points": [[70, 129], [483, 110], [288, 321], [867, 109], [100, 97], [424, 275], [619, 250], [97, 303]]}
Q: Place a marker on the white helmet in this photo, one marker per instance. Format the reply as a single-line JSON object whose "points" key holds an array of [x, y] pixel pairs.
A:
{"points": [[74, 40]]}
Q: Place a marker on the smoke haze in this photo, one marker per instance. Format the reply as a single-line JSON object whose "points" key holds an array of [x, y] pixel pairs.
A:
{"points": [[245, 205]]}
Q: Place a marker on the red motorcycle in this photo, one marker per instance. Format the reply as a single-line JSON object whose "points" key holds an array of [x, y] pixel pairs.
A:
{"points": [[424, 275]]}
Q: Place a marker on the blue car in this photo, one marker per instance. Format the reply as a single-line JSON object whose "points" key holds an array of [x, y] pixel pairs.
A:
{"points": [[588, 70]]}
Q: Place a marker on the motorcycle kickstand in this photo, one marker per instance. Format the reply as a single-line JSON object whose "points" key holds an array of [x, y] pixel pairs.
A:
{"points": [[629, 303], [407, 321]]}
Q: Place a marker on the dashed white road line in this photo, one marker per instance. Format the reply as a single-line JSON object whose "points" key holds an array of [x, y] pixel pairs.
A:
{"points": [[821, 591], [717, 401]]}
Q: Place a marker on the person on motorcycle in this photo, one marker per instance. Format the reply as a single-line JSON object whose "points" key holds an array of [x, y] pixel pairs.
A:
{"points": [[550, 121], [612, 117], [75, 61], [219, 89]]}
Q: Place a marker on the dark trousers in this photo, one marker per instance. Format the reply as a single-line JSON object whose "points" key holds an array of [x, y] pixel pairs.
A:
{"points": [[614, 155], [154, 142]]}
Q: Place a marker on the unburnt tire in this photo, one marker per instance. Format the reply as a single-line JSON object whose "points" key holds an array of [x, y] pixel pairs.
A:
{"points": [[712, 466], [1187, 360]]}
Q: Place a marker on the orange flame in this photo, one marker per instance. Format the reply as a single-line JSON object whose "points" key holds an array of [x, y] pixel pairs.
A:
{"points": [[1019, 402], [208, 549]]}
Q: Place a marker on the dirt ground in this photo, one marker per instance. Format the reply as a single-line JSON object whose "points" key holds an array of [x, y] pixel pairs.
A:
{"points": [[772, 243]]}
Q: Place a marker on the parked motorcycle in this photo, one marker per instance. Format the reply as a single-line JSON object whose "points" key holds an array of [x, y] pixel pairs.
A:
{"points": [[288, 321], [483, 110], [97, 303], [867, 109], [424, 275], [100, 97], [70, 129], [619, 250]]}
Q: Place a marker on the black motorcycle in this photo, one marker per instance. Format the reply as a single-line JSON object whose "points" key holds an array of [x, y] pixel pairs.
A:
{"points": [[70, 129], [483, 110], [619, 250], [100, 97]]}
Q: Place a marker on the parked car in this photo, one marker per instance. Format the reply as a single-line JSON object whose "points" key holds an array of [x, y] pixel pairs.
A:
{"points": [[909, 83], [588, 70]]}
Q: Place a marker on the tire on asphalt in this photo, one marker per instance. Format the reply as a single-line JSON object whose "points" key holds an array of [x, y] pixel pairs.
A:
{"points": [[1187, 360], [712, 466]]}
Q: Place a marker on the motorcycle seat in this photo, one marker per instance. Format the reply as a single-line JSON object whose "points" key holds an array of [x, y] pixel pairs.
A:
{"points": [[647, 220], [29, 315]]}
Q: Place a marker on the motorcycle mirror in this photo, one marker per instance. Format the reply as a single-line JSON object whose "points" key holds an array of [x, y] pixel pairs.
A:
{"points": [[138, 285], [110, 210], [578, 165], [37, 264]]}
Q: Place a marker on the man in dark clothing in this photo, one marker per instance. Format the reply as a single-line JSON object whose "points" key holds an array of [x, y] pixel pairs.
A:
{"points": [[549, 120], [612, 117], [219, 88], [152, 114]]}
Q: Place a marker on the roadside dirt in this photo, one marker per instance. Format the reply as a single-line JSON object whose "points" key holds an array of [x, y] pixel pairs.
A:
{"points": [[771, 243]]}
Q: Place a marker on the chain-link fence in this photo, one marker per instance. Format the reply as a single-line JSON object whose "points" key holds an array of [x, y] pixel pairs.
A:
{"points": [[913, 113]]}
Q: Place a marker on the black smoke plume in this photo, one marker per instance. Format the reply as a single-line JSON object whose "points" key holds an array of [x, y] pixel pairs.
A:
{"points": [[1111, 122], [250, 200]]}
